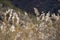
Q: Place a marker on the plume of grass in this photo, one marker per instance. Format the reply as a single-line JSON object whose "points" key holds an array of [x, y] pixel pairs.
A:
{"points": [[19, 26]]}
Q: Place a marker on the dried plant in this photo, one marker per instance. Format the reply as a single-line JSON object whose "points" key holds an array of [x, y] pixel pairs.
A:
{"points": [[19, 26]]}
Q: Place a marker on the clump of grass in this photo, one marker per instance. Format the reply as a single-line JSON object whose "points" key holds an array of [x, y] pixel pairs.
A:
{"points": [[18, 26]]}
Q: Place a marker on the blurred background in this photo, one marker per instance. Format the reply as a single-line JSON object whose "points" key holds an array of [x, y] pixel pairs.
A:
{"points": [[42, 5]]}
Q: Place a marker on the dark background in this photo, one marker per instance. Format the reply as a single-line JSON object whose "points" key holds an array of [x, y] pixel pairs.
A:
{"points": [[41, 5]]}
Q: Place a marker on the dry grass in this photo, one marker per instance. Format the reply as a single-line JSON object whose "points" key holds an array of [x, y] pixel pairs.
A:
{"points": [[17, 26]]}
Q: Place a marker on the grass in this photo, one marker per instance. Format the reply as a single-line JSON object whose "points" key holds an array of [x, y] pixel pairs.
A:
{"points": [[9, 4], [27, 27]]}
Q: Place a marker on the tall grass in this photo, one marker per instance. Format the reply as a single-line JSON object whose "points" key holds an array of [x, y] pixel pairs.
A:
{"points": [[18, 26]]}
